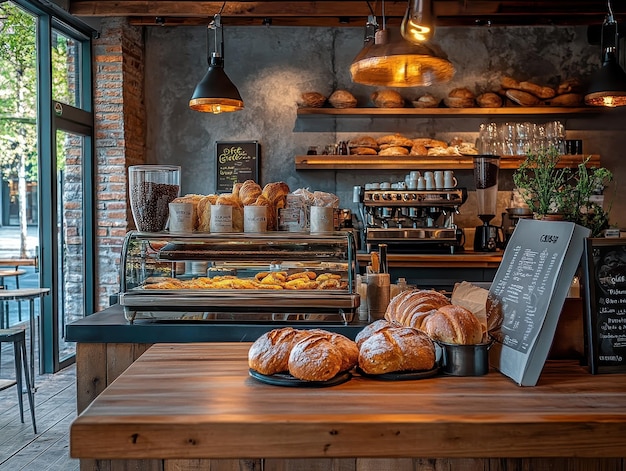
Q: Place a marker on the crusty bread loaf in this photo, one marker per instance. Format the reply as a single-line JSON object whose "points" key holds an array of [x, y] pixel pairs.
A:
{"points": [[310, 355], [426, 101], [276, 193], [453, 324], [269, 354], [228, 199], [392, 348], [537, 90], [394, 140], [432, 313], [394, 150], [522, 98]]}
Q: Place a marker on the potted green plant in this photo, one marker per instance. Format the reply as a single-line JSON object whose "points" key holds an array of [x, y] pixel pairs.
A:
{"points": [[555, 192]]}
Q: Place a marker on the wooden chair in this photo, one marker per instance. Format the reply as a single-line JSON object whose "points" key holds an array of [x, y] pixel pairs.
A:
{"points": [[17, 336]]}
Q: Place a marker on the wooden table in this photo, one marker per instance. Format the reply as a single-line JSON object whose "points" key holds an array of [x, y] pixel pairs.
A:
{"points": [[189, 404], [26, 294], [18, 262]]}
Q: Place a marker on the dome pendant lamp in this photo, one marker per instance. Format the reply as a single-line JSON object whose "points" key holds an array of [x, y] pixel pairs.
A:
{"points": [[388, 60], [608, 84], [215, 93]]}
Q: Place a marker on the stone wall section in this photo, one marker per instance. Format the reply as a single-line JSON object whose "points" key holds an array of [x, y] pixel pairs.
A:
{"points": [[120, 142]]}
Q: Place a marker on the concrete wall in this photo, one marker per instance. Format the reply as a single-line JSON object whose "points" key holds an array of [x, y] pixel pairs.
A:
{"points": [[272, 66]]}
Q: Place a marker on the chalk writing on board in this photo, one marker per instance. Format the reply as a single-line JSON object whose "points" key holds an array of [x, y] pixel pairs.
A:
{"points": [[236, 162]]}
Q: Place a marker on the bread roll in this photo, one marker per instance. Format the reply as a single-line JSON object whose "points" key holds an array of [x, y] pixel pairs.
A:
{"points": [[342, 99], [489, 100], [363, 151], [312, 100], [418, 149], [387, 99], [509, 82], [363, 141], [395, 140], [394, 150], [567, 99], [537, 90], [522, 98], [394, 349], [269, 354], [426, 101]]}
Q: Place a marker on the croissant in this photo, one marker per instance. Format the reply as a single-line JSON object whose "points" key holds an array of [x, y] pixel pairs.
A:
{"points": [[249, 192]]}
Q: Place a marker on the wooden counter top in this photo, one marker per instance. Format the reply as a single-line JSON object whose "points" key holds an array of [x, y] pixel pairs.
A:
{"points": [[188, 401]]}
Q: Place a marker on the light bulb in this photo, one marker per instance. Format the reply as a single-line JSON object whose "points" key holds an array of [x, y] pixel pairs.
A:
{"points": [[417, 22]]}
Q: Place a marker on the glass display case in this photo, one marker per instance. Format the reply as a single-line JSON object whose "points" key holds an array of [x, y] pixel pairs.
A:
{"points": [[277, 277]]}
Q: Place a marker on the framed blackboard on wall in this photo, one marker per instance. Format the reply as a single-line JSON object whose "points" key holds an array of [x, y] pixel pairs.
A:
{"points": [[236, 162], [605, 304]]}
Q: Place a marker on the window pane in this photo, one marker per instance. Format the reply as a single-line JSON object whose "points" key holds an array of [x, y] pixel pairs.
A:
{"points": [[65, 69]]}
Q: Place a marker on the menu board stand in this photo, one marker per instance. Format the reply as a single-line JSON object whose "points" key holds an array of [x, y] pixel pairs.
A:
{"points": [[604, 265], [528, 293]]}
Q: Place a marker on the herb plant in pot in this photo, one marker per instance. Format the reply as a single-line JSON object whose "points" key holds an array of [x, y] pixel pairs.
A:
{"points": [[554, 192]]}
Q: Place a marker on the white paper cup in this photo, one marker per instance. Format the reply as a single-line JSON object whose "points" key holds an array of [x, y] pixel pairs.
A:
{"points": [[221, 218], [181, 217], [322, 219], [255, 218]]}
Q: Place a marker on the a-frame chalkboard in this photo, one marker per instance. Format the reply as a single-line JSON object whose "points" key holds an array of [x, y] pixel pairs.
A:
{"points": [[604, 264], [236, 162]]}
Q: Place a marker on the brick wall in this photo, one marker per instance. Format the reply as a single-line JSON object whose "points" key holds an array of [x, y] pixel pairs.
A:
{"points": [[120, 142]]}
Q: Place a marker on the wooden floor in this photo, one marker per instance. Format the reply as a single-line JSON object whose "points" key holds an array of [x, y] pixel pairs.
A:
{"points": [[55, 408]]}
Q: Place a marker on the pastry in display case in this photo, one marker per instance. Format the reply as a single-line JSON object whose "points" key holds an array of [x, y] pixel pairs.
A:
{"points": [[274, 277]]}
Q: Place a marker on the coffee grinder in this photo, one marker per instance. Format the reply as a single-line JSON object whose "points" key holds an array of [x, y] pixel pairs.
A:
{"points": [[486, 167]]}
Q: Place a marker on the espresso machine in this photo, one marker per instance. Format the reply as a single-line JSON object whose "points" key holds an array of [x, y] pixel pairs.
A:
{"points": [[410, 220], [487, 237]]}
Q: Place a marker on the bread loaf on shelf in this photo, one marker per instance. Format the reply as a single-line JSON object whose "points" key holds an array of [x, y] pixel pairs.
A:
{"points": [[386, 347], [432, 313]]}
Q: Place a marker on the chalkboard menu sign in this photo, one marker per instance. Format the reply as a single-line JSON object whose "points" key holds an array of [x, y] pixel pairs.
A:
{"points": [[605, 299], [236, 162]]}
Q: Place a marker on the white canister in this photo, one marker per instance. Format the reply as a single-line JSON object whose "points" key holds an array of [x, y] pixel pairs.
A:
{"points": [[255, 218], [221, 218], [181, 217], [322, 219]]}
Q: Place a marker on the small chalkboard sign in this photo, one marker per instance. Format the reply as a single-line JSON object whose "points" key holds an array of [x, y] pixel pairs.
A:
{"points": [[605, 304], [236, 162]]}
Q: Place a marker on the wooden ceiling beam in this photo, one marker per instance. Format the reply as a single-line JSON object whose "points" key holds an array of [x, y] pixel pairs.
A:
{"points": [[348, 12]]}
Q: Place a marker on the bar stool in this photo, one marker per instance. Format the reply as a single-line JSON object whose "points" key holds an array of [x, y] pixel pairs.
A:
{"points": [[8, 274], [18, 338]]}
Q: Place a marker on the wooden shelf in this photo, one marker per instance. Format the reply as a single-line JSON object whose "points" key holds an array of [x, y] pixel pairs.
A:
{"points": [[447, 112], [404, 162]]}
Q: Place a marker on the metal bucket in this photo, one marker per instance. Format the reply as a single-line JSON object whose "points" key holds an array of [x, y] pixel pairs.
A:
{"points": [[465, 360]]}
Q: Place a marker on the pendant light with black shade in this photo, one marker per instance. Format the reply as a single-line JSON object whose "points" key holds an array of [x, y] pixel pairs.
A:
{"points": [[215, 93], [607, 86]]}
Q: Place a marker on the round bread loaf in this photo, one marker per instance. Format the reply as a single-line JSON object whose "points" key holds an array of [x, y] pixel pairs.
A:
{"points": [[315, 358], [392, 348], [269, 354], [310, 355], [432, 313]]}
